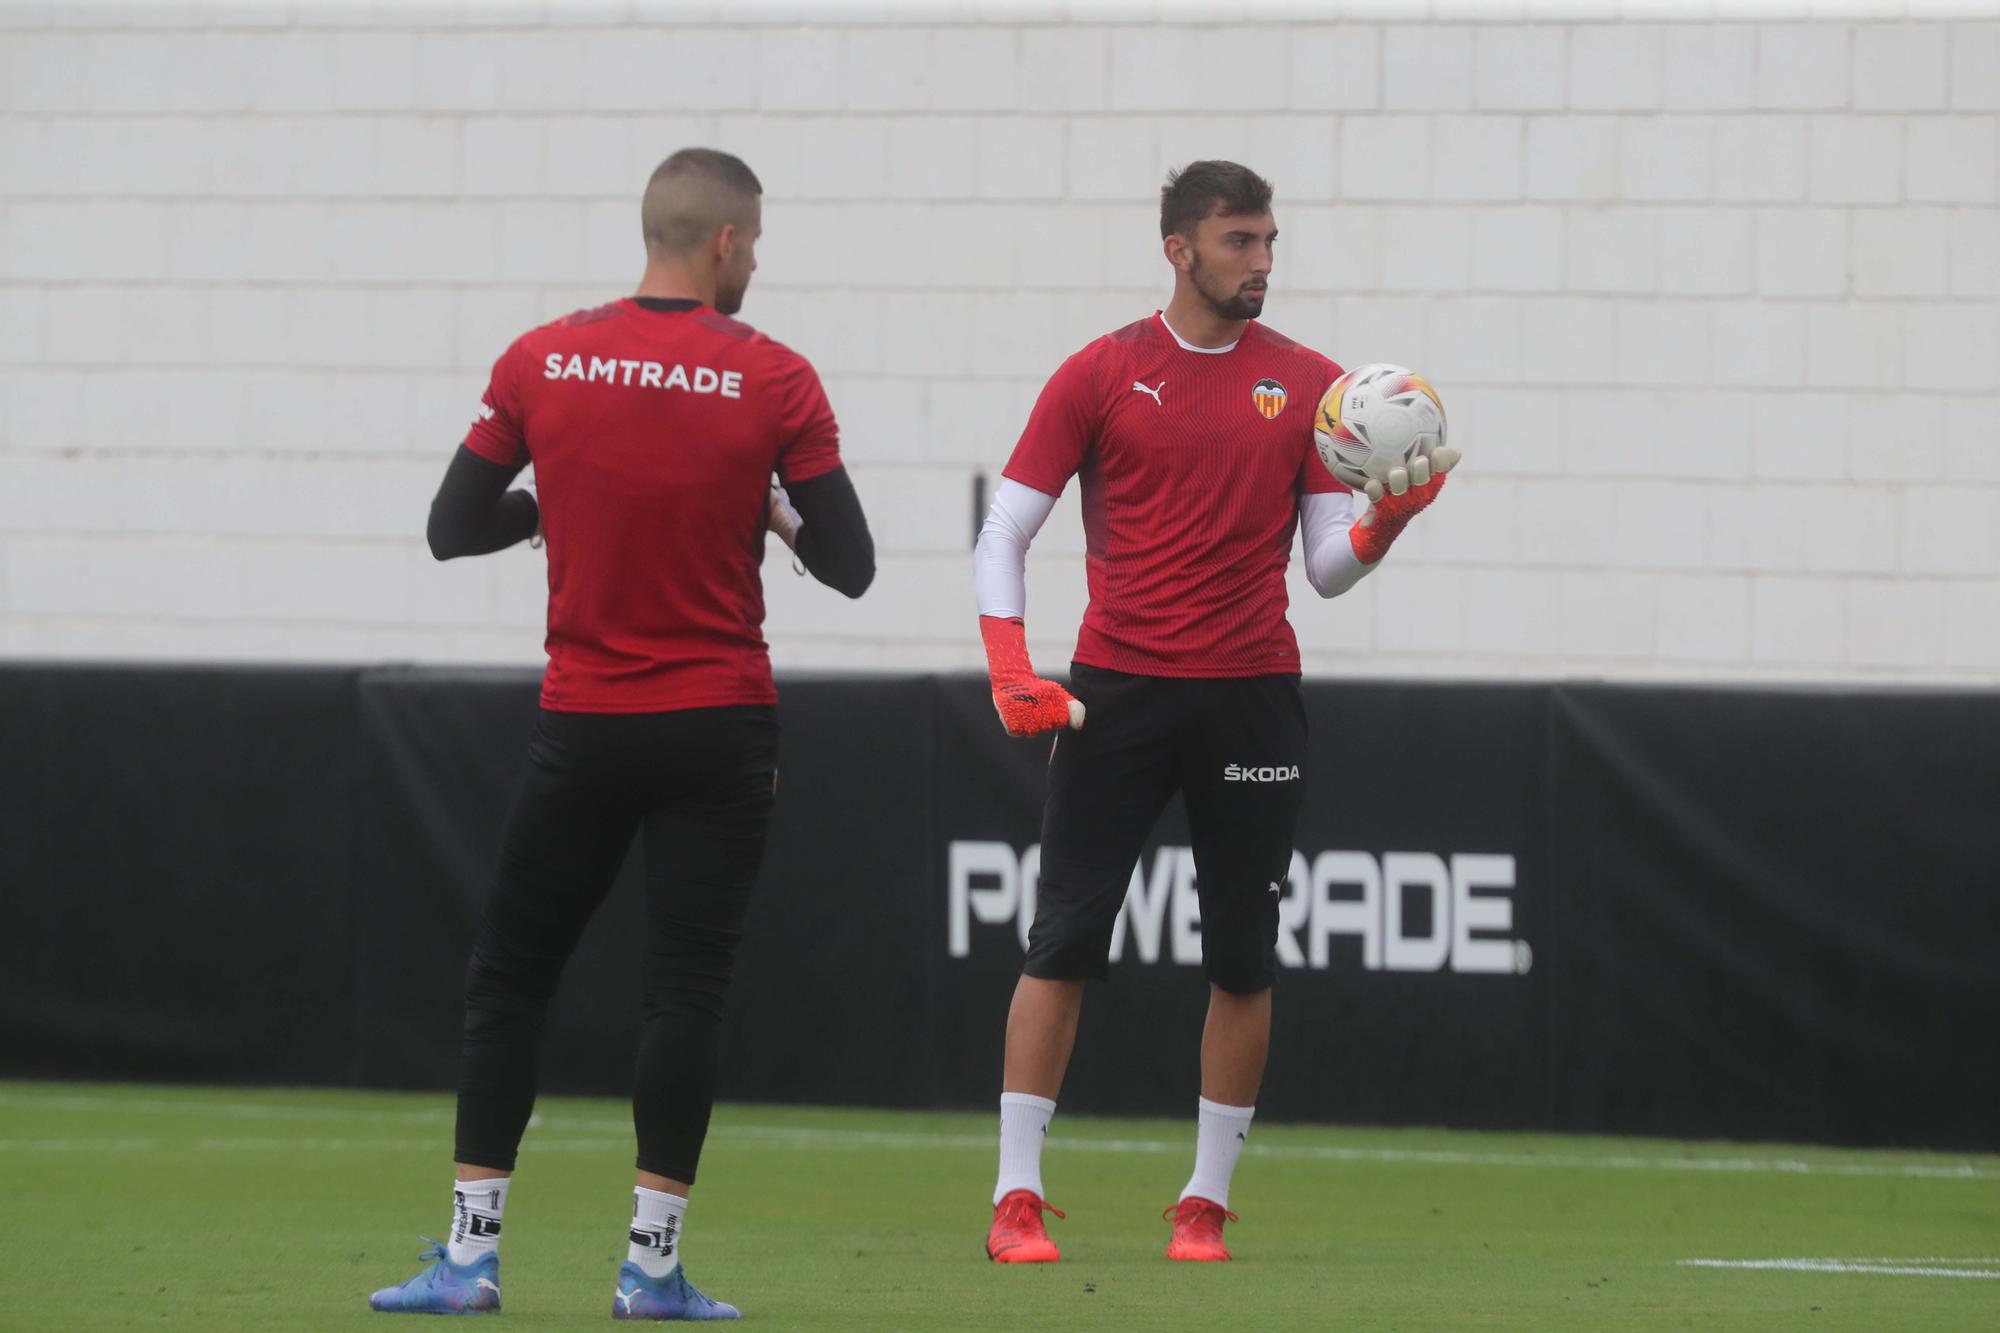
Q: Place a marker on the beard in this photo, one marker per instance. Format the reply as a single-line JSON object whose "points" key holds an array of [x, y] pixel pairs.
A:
{"points": [[1241, 306], [1237, 304]]}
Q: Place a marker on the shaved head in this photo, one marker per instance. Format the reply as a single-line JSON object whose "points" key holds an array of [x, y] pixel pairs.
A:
{"points": [[693, 195]]}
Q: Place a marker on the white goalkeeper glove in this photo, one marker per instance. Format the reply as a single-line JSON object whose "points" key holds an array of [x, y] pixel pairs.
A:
{"points": [[786, 523], [529, 486], [784, 520], [1418, 474]]}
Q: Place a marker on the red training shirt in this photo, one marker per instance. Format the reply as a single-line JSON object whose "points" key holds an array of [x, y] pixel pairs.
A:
{"points": [[1191, 463], [654, 434]]}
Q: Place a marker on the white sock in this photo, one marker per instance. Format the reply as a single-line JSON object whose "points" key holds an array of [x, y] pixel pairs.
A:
{"points": [[476, 1206], [1221, 1131], [1024, 1126], [656, 1231]]}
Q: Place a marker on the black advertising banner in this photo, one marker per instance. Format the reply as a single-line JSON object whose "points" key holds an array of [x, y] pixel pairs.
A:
{"points": [[175, 863], [441, 756], [1704, 912], [1780, 914], [831, 988]]}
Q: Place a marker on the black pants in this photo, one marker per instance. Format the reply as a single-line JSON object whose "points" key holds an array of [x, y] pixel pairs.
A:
{"points": [[1236, 750], [700, 782]]}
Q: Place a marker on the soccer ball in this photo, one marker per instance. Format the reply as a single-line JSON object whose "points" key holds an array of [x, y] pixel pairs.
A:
{"points": [[1374, 424]]}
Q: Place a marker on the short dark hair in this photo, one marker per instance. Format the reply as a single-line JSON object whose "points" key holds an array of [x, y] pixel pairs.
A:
{"points": [[726, 168], [691, 194], [1201, 189]]}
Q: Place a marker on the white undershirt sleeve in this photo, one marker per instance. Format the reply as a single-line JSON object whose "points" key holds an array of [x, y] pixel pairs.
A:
{"points": [[1000, 556], [1323, 523]]}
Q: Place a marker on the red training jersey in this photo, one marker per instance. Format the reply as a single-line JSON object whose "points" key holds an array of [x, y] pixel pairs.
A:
{"points": [[1191, 461], [654, 433]]}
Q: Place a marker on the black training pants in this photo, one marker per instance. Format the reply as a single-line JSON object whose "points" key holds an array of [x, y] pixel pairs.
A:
{"points": [[700, 783], [1235, 748]]}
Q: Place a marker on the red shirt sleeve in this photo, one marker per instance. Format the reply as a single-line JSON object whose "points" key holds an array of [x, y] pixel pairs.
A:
{"points": [[496, 433], [1061, 429], [809, 436], [1314, 479]]}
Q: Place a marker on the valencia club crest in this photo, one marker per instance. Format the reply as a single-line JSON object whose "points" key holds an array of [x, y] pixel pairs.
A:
{"points": [[1270, 397]]}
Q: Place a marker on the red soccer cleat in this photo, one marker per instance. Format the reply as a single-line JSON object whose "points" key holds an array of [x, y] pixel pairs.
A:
{"points": [[1198, 1230], [1018, 1236]]}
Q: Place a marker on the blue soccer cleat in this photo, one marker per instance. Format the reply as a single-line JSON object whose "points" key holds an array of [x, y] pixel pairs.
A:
{"points": [[445, 1287], [669, 1297]]}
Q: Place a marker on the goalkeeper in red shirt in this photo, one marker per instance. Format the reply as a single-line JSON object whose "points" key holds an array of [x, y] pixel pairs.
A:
{"points": [[1190, 433]]}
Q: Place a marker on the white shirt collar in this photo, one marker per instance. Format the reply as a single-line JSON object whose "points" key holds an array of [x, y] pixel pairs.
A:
{"points": [[1187, 346]]}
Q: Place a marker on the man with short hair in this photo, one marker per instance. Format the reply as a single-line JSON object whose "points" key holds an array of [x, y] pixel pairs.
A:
{"points": [[655, 425], [1191, 434]]}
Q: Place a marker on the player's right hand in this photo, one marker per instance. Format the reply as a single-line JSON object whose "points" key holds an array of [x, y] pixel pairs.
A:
{"points": [[1027, 704]]}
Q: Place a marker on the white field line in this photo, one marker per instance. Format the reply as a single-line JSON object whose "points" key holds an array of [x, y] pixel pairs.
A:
{"points": [[1981, 1260], [1890, 1267], [804, 1137]]}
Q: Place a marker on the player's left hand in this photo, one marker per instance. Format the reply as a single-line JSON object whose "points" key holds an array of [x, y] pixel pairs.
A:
{"points": [[1390, 509], [784, 520], [1419, 474]]}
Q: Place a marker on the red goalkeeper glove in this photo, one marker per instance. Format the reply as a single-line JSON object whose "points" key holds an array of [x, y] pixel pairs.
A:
{"points": [[1027, 704], [1390, 514]]}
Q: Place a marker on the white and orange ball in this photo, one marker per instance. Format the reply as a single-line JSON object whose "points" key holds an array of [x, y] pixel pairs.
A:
{"points": [[1378, 428]]}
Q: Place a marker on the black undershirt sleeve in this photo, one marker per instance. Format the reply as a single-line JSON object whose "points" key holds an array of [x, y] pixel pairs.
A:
{"points": [[474, 513], [833, 543]]}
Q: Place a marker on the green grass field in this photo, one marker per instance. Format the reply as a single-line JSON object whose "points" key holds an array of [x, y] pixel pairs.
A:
{"points": [[218, 1209]]}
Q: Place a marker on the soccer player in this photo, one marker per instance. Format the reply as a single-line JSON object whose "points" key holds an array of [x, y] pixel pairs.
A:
{"points": [[655, 425], [1191, 434]]}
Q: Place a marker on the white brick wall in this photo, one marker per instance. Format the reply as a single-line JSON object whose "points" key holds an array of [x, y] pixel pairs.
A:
{"points": [[1714, 301]]}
